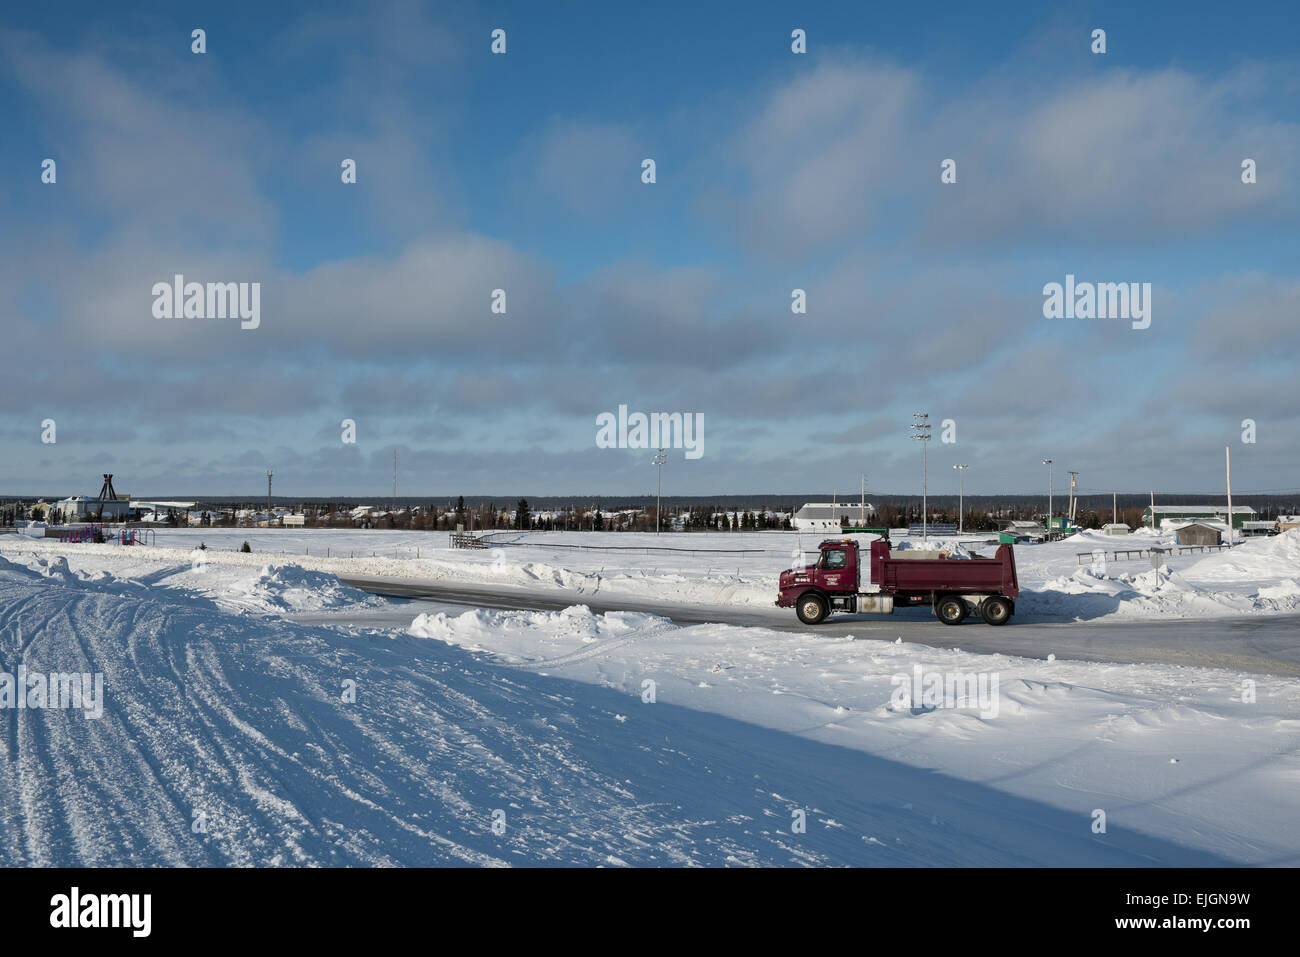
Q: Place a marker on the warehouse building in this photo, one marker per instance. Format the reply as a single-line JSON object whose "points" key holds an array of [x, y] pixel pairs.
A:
{"points": [[1153, 517], [829, 517]]}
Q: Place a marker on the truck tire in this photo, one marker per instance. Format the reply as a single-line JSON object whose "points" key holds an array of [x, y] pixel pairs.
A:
{"points": [[811, 608], [995, 610], [950, 610]]}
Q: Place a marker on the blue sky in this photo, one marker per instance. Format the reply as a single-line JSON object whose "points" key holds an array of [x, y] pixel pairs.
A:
{"points": [[775, 171]]}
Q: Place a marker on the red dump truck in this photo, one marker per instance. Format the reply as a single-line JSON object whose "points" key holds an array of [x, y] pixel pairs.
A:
{"points": [[953, 587]]}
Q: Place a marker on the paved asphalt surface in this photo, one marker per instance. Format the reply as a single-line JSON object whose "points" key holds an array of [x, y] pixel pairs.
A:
{"points": [[1259, 644]]}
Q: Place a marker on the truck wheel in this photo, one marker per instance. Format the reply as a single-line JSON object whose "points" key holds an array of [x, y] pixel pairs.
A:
{"points": [[995, 611], [950, 610], [811, 609]]}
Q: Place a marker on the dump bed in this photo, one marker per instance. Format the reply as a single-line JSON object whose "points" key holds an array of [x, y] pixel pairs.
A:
{"points": [[990, 575]]}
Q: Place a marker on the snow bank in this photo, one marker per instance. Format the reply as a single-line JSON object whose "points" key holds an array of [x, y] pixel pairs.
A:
{"points": [[290, 588], [1248, 579]]}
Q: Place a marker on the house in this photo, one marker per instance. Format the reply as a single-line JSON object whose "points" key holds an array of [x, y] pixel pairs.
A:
{"points": [[1287, 522], [1200, 533]]}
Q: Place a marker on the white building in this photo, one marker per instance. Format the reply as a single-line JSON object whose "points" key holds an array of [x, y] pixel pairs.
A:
{"points": [[159, 511], [88, 508], [827, 516]]}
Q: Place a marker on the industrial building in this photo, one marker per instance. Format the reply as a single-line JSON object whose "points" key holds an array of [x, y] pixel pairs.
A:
{"points": [[1259, 528], [830, 516], [110, 506], [1154, 517], [107, 506]]}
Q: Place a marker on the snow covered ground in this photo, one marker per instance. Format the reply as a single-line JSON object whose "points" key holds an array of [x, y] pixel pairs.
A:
{"points": [[227, 735], [1260, 576], [1168, 751]]}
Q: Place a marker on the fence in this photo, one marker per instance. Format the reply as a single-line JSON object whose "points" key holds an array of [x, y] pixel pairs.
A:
{"points": [[934, 528], [511, 539], [1128, 553]]}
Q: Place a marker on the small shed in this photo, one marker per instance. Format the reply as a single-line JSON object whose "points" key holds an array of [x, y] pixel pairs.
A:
{"points": [[1116, 528], [1198, 533]]}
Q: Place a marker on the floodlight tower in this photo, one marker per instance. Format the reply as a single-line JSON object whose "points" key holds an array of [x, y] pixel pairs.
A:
{"points": [[661, 456], [921, 433]]}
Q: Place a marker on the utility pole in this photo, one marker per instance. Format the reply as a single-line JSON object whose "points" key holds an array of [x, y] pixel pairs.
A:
{"points": [[394, 479], [921, 433], [862, 508], [1048, 463], [269, 473], [660, 458], [1114, 507], [1074, 502], [1227, 458], [961, 494]]}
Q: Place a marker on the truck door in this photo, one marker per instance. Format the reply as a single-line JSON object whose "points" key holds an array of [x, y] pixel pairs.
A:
{"points": [[836, 574]]}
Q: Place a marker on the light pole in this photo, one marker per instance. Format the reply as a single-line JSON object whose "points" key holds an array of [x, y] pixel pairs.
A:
{"points": [[660, 458], [961, 493], [1048, 463], [921, 432]]}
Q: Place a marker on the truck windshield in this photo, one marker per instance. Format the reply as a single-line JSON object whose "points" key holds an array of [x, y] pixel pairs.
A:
{"points": [[834, 559]]}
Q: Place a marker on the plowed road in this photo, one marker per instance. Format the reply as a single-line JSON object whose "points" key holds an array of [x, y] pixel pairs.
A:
{"points": [[1260, 644]]}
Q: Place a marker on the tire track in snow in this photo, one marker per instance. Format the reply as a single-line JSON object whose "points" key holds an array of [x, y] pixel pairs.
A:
{"points": [[597, 649]]}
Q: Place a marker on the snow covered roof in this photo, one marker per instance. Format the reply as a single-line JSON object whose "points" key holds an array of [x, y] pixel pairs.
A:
{"points": [[1203, 522], [1199, 509], [815, 510]]}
